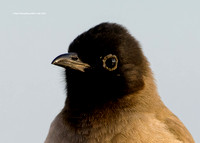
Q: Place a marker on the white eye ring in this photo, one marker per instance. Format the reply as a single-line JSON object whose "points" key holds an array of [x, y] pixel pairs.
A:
{"points": [[113, 58]]}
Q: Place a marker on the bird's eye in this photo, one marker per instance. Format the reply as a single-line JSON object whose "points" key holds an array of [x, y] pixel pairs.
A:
{"points": [[110, 62]]}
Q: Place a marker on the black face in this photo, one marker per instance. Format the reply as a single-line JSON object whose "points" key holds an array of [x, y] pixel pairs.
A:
{"points": [[105, 62]]}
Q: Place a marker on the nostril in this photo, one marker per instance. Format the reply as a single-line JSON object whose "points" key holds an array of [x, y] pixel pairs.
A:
{"points": [[74, 58]]}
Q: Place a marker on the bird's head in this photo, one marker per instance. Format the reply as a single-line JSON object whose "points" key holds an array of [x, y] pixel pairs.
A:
{"points": [[105, 62]]}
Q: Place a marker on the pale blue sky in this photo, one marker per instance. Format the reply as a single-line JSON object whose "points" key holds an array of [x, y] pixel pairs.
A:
{"points": [[32, 90]]}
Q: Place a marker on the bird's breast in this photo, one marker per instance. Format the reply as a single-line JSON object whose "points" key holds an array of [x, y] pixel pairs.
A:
{"points": [[126, 128]]}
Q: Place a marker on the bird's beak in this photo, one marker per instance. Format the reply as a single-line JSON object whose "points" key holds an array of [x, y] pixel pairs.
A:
{"points": [[70, 60]]}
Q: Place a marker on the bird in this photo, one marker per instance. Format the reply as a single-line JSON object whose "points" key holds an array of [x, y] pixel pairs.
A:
{"points": [[111, 92]]}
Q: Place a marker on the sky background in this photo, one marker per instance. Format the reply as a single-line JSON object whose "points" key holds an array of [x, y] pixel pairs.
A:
{"points": [[32, 90]]}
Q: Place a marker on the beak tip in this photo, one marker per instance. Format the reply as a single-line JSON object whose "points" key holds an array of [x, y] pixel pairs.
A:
{"points": [[53, 63]]}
